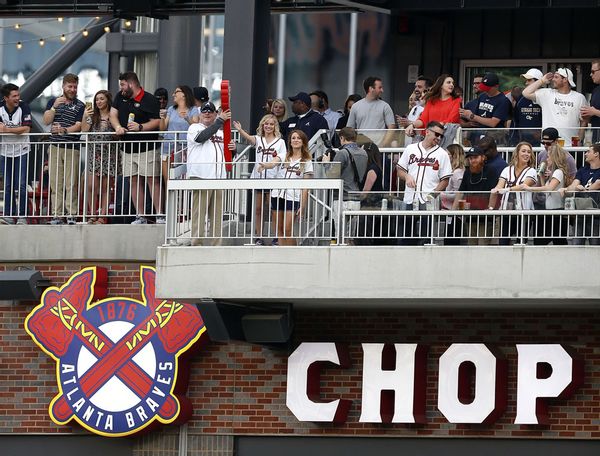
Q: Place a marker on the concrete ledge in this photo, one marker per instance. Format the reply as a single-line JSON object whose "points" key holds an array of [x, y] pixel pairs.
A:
{"points": [[384, 277], [80, 242]]}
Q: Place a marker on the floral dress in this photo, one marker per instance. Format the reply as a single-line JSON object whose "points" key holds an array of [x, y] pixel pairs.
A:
{"points": [[103, 155]]}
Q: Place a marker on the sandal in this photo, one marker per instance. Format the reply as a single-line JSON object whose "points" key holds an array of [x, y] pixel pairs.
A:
{"points": [[101, 221], [92, 221]]}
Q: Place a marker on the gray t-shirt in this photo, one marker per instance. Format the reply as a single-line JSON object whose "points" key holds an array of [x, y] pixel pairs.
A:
{"points": [[347, 171], [366, 114]]}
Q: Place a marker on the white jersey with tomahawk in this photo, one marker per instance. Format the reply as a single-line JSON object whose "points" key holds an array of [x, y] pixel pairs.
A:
{"points": [[427, 167]]}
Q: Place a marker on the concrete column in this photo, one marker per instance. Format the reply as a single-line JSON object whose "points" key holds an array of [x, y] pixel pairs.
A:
{"points": [[246, 52], [180, 39]]}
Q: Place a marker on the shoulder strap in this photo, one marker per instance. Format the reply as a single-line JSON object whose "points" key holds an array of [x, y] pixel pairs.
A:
{"points": [[357, 179]]}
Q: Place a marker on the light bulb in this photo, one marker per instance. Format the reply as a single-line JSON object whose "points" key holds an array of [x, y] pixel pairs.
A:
{"points": [[17, 26], [128, 23], [60, 19], [42, 42], [63, 38], [19, 45], [85, 32], [107, 29]]}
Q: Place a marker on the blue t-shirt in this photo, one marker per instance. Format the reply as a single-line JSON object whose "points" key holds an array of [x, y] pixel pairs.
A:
{"points": [[527, 114], [496, 165], [497, 106], [176, 123], [67, 115], [587, 176]]}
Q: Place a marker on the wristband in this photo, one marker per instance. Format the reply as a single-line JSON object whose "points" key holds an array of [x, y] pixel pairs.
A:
{"points": [[471, 116], [140, 127]]}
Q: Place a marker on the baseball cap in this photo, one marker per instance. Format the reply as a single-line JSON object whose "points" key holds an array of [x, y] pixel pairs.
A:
{"points": [[208, 107], [489, 80], [533, 73], [474, 151], [550, 134], [303, 97], [200, 93], [566, 73]]}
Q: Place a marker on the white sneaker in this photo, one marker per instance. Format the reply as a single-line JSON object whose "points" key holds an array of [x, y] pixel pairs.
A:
{"points": [[21, 221], [160, 220], [140, 221], [57, 221]]}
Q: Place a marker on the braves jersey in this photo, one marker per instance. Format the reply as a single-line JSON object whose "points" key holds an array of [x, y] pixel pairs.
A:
{"points": [[205, 160], [15, 145], [295, 169], [427, 167], [266, 152]]}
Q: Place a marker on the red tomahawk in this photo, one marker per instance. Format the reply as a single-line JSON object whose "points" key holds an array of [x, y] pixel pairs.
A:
{"points": [[225, 94]]}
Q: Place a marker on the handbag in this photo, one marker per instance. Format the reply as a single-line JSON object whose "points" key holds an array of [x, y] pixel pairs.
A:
{"points": [[585, 203]]}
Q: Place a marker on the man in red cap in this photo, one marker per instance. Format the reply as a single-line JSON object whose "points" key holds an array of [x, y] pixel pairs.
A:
{"points": [[492, 107], [561, 106]]}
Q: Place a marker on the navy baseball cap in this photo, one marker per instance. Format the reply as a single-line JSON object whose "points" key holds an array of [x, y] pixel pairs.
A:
{"points": [[489, 80], [474, 151], [200, 94], [303, 97], [208, 107]]}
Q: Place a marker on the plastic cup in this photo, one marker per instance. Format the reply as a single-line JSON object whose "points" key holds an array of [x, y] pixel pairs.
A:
{"points": [[561, 142]]}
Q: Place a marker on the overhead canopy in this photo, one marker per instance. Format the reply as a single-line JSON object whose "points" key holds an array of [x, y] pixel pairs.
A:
{"points": [[165, 8]]}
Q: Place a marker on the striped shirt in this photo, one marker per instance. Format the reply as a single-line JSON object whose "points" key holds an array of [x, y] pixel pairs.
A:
{"points": [[67, 115]]}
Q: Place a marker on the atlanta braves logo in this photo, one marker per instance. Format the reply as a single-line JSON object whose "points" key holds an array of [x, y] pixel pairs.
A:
{"points": [[117, 360]]}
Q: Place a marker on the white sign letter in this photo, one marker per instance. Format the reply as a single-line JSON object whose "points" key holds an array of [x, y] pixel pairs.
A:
{"points": [[406, 380], [566, 375], [453, 384], [303, 378]]}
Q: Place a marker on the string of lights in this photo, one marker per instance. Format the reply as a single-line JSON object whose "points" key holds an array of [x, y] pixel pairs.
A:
{"points": [[61, 36]]}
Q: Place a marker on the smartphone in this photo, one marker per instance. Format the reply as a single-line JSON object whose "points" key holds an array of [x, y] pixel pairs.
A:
{"points": [[88, 105]]}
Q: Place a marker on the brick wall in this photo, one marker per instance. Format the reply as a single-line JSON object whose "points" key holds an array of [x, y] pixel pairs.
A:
{"points": [[239, 389]]}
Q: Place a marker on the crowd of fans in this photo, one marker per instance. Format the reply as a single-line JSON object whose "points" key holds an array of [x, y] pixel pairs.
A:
{"points": [[125, 131]]}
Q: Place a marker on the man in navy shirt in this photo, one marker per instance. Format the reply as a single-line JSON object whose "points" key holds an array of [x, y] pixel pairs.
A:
{"points": [[592, 112], [307, 120], [492, 109], [527, 114]]}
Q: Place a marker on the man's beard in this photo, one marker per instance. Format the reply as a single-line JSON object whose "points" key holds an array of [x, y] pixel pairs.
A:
{"points": [[127, 93]]}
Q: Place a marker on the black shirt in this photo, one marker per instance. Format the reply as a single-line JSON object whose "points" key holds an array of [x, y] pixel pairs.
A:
{"points": [[483, 182], [144, 108]]}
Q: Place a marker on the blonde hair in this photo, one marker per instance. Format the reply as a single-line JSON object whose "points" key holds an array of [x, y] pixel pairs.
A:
{"points": [[559, 161], [260, 131], [515, 156], [282, 102], [457, 156]]}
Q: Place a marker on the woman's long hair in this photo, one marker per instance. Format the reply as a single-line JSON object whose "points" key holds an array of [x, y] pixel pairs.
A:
{"points": [[515, 156], [457, 156], [282, 102], [96, 114], [435, 93], [559, 161], [188, 95]]}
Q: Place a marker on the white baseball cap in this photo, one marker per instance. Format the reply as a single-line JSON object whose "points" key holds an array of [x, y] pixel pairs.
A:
{"points": [[566, 73], [533, 73]]}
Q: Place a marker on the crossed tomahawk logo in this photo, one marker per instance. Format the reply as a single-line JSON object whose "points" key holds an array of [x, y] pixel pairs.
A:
{"points": [[61, 317]]}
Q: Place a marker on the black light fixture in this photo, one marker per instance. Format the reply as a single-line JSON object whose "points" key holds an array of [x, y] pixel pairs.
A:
{"points": [[22, 285], [268, 325]]}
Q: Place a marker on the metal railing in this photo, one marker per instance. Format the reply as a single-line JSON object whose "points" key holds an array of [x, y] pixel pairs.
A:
{"points": [[252, 211], [101, 177]]}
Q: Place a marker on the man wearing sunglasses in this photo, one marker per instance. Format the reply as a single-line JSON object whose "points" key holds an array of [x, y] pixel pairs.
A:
{"points": [[425, 168]]}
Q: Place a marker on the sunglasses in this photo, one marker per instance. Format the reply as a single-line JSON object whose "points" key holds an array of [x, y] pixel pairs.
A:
{"points": [[547, 141], [437, 135], [205, 110]]}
